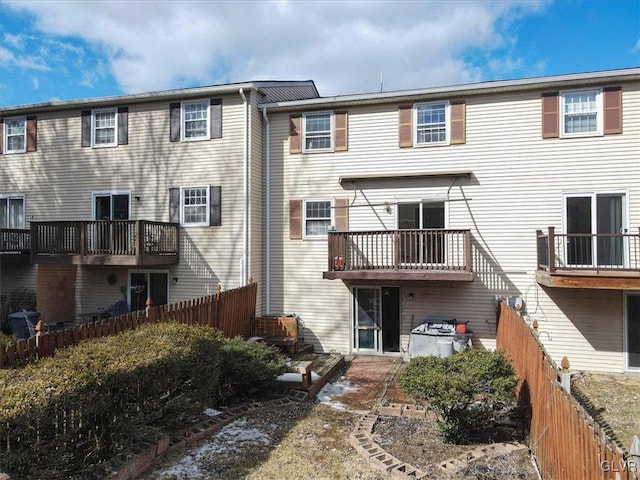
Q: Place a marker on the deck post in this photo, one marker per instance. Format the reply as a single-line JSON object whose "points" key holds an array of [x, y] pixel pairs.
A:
{"points": [[467, 250], [396, 250], [139, 241], [552, 250], [33, 248]]}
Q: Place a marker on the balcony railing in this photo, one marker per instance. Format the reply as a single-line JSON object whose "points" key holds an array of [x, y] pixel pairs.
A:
{"points": [[577, 251], [119, 241], [14, 240], [436, 249]]}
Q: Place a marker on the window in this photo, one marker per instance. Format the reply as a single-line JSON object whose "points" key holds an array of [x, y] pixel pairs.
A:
{"points": [[15, 135], [432, 123], [11, 211], [104, 128], [317, 132], [195, 206], [595, 224], [581, 113], [195, 120], [317, 218]]}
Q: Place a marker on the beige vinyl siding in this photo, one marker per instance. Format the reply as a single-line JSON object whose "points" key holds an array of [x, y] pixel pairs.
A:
{"points": [[14, 276], [516, 188], [256, 196], [60, 177]]}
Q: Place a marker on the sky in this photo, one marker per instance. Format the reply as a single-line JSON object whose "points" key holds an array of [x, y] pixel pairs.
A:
{"points": [[65, 50]]}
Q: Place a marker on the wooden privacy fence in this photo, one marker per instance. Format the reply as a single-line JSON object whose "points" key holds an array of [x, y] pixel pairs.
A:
{"points": [[230, 311], [566, 441]]}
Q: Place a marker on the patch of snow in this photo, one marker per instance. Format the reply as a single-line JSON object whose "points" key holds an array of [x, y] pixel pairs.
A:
{"points": [[211, 412], [194, 465], [296, 377], [335, 389]]}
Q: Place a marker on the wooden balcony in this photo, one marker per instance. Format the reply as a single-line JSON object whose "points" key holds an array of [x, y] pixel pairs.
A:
{"points": [[599, 261], [388, 255], [105, 242], [14, 245]]}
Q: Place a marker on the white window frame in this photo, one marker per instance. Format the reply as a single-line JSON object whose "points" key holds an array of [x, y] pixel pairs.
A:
{"points": [[593, 195], [204, 223], [599, 111], [447, 123], [307, 236], [94, 127], [5, 134], [183, 121], [321, 134], [14, 196]]}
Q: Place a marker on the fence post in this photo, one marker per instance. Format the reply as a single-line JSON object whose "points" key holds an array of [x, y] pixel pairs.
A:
{"points": [[565, 375]]}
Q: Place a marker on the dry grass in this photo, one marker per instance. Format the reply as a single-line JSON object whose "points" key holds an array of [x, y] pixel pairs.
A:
{"points": [[306, 442], [612, 400]]}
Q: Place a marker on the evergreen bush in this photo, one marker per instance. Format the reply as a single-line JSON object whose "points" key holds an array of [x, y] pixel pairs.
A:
{"points": [[466, 390], [248, 368]]}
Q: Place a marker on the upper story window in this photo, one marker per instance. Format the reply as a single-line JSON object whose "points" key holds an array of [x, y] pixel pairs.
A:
{"points": [[317, 218], [12, 211], [194, 206], [581, 113], [195, 120], [104, 128], [432, 123], [15, 135], [318, 130]]}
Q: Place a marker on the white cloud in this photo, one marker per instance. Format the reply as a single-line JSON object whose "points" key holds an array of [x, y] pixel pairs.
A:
{"points": [[26, 62], [636, 47], [343, 46]]}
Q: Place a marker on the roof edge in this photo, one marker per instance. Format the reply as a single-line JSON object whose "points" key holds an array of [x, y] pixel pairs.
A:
{"points": [[494, 86]]}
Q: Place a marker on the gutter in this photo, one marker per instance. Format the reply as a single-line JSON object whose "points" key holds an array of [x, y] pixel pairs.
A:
{"points": [[245, 195], [267, 242]]}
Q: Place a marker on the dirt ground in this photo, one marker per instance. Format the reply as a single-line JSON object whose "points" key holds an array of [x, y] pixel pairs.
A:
{"points": [[310, 440]]}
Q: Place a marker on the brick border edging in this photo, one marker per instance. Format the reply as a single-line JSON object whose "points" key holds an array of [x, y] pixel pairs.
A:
{"points": [[362, 441], [146, 452]]}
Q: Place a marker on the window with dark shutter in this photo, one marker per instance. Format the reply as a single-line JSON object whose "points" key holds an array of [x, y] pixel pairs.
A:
{"points": [[458, 122], [295, 134], [295, 219], [123, 126], [86, 128], [216, 118], [550, 115], [405, 126], [215, 206], [174, 122], [341, 131], [612, 110]]}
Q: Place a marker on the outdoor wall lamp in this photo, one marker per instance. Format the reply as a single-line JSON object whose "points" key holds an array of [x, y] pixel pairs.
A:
{"points": [[411, 296], [174, 280]]}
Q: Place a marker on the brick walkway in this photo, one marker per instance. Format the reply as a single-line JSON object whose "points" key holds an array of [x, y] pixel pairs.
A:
{"points": [[371, 375]]}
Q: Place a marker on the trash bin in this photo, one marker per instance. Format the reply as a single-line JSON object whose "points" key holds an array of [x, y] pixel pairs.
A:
{"points": [[19, 325], [437, 337]]}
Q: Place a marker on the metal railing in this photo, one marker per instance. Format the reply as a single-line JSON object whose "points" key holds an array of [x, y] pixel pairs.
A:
{"points": [[578, 251]]}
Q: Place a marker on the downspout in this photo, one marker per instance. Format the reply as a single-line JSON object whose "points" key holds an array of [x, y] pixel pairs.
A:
{"points": [[267, 240], [245, 213]]}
